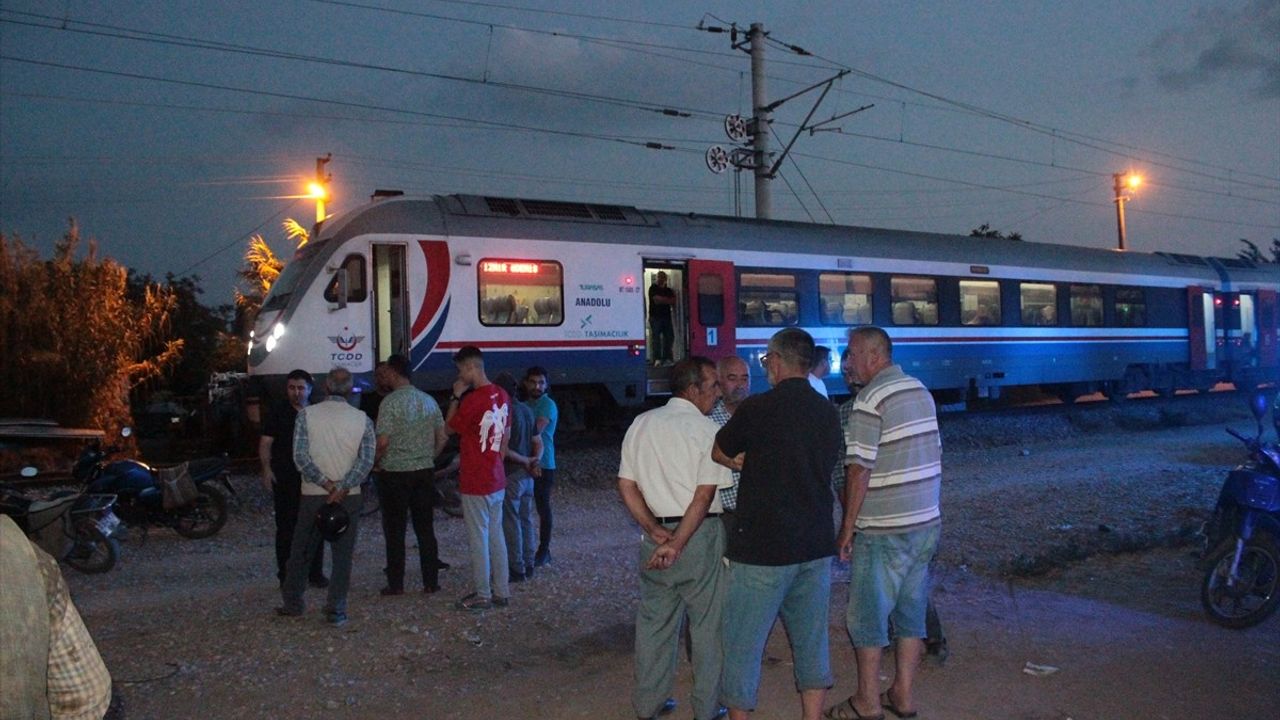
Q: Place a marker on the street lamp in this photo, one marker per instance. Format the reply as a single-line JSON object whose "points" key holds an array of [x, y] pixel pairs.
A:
{"points": [[1123, 182], [316, 191]]}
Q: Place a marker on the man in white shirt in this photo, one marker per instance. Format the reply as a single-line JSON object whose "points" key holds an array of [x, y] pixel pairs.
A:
{"points": [[820, 368], [669, 484]]}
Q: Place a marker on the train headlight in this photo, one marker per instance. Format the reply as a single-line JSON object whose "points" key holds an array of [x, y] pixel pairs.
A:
{"points": [[273, 339]]}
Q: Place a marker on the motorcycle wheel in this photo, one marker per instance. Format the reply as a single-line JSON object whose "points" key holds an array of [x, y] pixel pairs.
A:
{"points": [[204, 517], [92, 552], [1256, 591]]}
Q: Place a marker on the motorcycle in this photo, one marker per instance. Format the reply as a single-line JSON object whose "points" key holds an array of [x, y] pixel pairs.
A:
{"points": [[76, 528], [1241, 587], [140, 498]]}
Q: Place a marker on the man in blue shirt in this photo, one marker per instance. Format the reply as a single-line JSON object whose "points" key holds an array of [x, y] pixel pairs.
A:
{"points": [[546, 416]]}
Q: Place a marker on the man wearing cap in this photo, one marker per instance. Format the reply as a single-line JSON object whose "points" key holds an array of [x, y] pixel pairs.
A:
{"points": [[333, 446], [669, 484]]}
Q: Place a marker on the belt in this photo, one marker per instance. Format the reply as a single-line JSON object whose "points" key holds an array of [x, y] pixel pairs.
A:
{"points": [[678, 518]]}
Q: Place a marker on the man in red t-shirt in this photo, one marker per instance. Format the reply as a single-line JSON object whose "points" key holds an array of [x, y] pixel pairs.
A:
{"points": [[480, 413]]}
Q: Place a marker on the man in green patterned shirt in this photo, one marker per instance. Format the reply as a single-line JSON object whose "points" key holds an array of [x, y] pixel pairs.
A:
{"points": [[411, 432]]}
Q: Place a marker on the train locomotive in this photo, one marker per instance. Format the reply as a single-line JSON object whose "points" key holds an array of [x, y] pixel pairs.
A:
{"points": [[564, 285]]}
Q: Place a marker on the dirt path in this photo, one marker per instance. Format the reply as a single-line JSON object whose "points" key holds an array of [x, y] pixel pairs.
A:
{"points": [[187, 626]]}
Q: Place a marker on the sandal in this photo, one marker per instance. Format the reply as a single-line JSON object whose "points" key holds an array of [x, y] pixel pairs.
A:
{"points": [[887, 704], [846, 711]]}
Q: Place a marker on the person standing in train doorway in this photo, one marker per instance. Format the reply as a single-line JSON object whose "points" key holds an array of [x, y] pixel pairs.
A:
{"points": [[661, 301], [546, 416]]}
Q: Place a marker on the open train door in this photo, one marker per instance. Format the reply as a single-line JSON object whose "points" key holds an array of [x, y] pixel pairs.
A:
{"points": [[712, 309], [1201, 329], [1266, 316]]}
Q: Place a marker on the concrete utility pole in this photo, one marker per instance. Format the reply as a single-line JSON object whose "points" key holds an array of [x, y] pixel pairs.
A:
{"points": [[1123, 181], [760, 123]]}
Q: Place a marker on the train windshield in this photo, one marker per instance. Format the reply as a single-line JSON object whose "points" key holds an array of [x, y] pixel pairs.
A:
{"points": [[282, 289]]}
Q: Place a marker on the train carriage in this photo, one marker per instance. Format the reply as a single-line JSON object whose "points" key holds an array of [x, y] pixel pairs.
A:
{"points": [[564, 285]]}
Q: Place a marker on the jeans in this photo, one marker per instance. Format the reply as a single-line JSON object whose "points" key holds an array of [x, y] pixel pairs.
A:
{"points": [[889, 582], [483, 515], [413, 492], [542, 497], [306, 543], [517, 524], [286, 493], [757, 595], [695, 584]]}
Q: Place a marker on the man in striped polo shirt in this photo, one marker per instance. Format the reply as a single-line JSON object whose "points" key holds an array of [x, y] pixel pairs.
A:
{"points": [[893, 471]]}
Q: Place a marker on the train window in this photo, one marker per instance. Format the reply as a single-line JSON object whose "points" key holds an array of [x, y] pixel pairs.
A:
{"points": [[767, 299], [1086, 305], [520, 292], [1131, 307], [979, 302], [846, 298], [915, 300], [357, 287], [1039, 303], [711, 300]]}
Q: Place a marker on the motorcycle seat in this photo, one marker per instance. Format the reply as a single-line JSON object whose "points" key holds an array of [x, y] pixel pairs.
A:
{"points": [[206, 469]]}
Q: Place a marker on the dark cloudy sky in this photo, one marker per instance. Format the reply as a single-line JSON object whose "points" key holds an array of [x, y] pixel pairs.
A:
{"points": [[172, 130]]}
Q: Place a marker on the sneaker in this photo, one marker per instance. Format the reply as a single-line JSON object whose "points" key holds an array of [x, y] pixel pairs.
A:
{"points": [[389, 591], [515, 577], [320, 582], [289, 612], [501, 601], [542, 558], [442, 565], [429, 589], [336, 619], [473, 602]]}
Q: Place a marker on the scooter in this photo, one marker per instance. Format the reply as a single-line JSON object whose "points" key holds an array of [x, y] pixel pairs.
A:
{"points": [[1241, 587], [76, 528], [140, 499]]}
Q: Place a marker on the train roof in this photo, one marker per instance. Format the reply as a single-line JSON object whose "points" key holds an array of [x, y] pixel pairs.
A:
{"points": [[488, 216]]}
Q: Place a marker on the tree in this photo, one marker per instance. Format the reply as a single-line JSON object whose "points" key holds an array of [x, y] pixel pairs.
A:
{"points": [[204, 331], [984, 231], [1253, 253], [261, 269], [74, 344]]}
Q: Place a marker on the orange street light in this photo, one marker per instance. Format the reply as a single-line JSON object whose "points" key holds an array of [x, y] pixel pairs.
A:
{"points": [[1123, 181]]}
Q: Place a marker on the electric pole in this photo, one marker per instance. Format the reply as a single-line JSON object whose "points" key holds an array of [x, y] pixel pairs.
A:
{"points": [[760, 122]]}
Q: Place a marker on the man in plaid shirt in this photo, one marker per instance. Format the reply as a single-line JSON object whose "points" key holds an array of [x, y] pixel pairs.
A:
{"points": [[49, 667], [735, 385]]}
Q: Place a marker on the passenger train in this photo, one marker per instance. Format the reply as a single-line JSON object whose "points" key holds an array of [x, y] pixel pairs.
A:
{"points": [[564, 285]]}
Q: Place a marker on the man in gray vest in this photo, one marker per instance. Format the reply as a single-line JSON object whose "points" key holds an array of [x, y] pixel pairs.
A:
{"points": [[333, 446]]}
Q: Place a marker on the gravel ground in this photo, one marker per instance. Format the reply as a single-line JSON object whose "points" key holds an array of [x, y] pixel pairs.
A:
{"points": [[1036, 499]]}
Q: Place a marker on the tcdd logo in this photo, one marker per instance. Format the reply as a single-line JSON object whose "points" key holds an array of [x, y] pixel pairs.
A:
{"points": [[346, 344]]}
